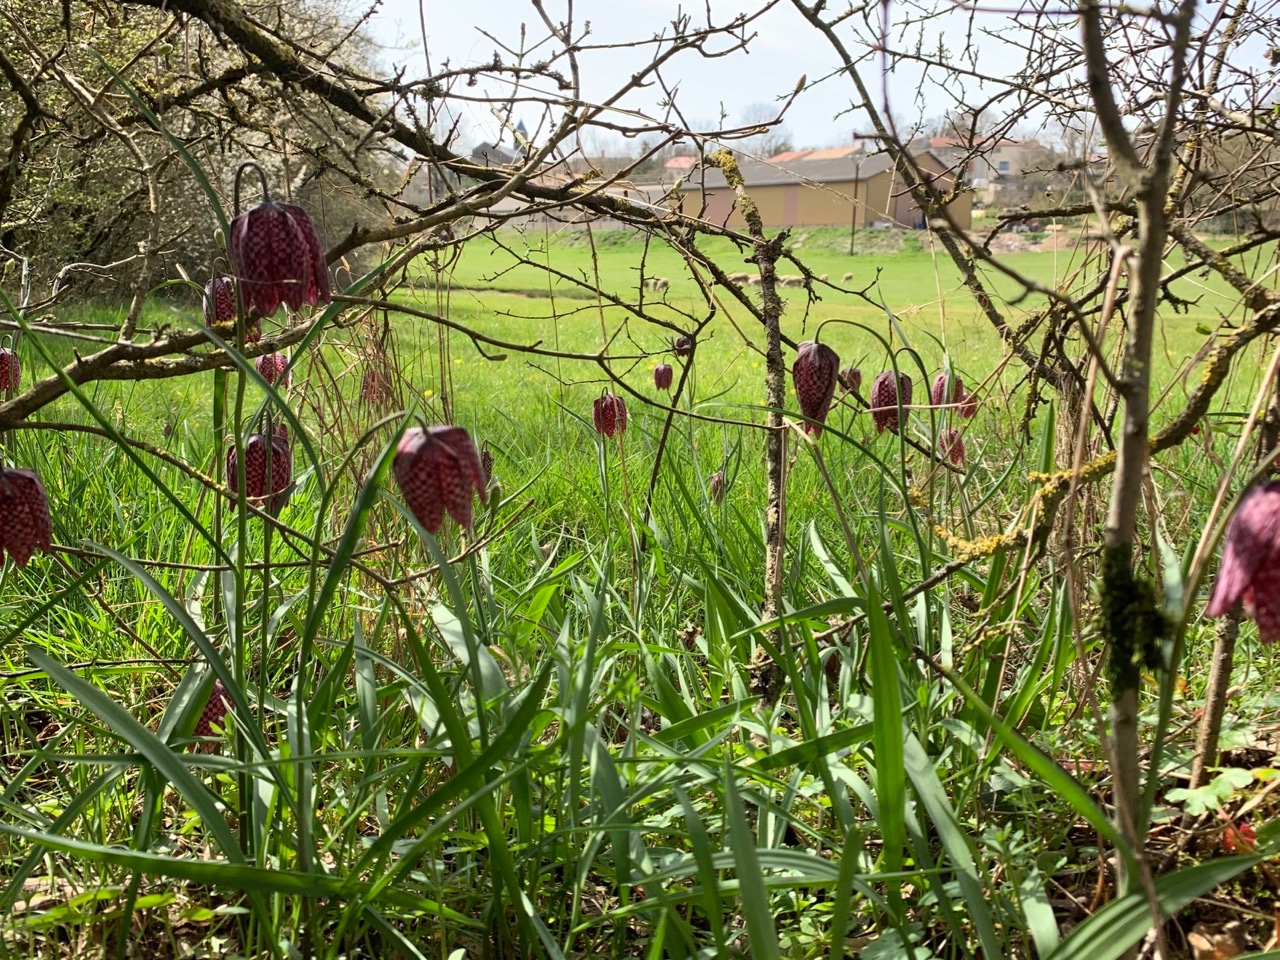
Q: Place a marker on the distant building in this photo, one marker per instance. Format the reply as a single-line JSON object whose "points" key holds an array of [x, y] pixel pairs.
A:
{"points": [[989, 165], [492, 155], [432, 182], [843, 186]]}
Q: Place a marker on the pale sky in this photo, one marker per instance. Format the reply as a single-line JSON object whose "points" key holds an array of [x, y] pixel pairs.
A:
{"points": [[785, 49]]}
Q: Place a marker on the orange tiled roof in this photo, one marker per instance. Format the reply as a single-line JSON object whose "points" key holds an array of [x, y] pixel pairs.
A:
{"points": [[789, 155], [831, 153]]}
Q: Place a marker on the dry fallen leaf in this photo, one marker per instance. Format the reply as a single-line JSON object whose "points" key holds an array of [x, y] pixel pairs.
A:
{"points": [[1211, 941]]}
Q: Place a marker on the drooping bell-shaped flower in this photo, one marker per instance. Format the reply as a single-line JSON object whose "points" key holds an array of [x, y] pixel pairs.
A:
{"points": [[683, 346], [815, 372], [610, 415], [213, 715], [375, 385], [257, 485], [717, 485], [1250, 570], [951, 445], [278, 258], [25, 523], [964, 404], [438, 469], [219, 301], [887, 392], [10, 369], [662, 376], [272, 367], [850, 378]]}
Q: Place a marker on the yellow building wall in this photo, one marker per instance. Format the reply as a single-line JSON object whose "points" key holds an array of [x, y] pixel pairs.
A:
{"points": [[880, 198], [826, 204]]}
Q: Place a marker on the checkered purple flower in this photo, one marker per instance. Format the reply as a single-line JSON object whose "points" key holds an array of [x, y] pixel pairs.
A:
{"points": [[1250, 571]]}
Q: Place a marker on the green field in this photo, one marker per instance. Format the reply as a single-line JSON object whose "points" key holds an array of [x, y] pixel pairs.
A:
{"points": [[490, 291], [553, 746]]}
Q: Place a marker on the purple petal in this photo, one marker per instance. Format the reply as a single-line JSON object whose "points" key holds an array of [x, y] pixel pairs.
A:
{"points": [[1252, 552]]}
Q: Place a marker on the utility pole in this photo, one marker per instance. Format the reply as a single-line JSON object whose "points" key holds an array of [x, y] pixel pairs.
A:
{"points": [[857, 178]]}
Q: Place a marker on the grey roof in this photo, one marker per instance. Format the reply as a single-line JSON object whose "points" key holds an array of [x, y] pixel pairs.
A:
{"points": [[492, 155], [762, 173]]}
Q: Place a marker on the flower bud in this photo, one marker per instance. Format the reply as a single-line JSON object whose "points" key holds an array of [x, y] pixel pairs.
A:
{"points": [[219, 301], [716, 486]]}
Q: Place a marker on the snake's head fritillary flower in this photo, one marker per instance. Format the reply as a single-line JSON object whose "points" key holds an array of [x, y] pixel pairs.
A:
{"points": [[438, 469], [1250, 571], [220, 309], [717, 485], [887, 393], [964, 404], [257, 484], [683, 346], [272, 367], [10, 369], [278, 258], [850, 378], [25, 523], [610, 415], [815, 372], [214, 713], [951, 445], [219, 301], [662, 376], [375, 385]]}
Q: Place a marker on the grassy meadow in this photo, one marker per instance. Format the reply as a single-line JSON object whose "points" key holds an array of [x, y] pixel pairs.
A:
{"points": [[551, 744]]}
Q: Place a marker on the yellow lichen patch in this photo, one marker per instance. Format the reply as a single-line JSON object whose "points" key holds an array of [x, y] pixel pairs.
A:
{"points": [[1054, 485], [967, 551], [733, 177]]}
